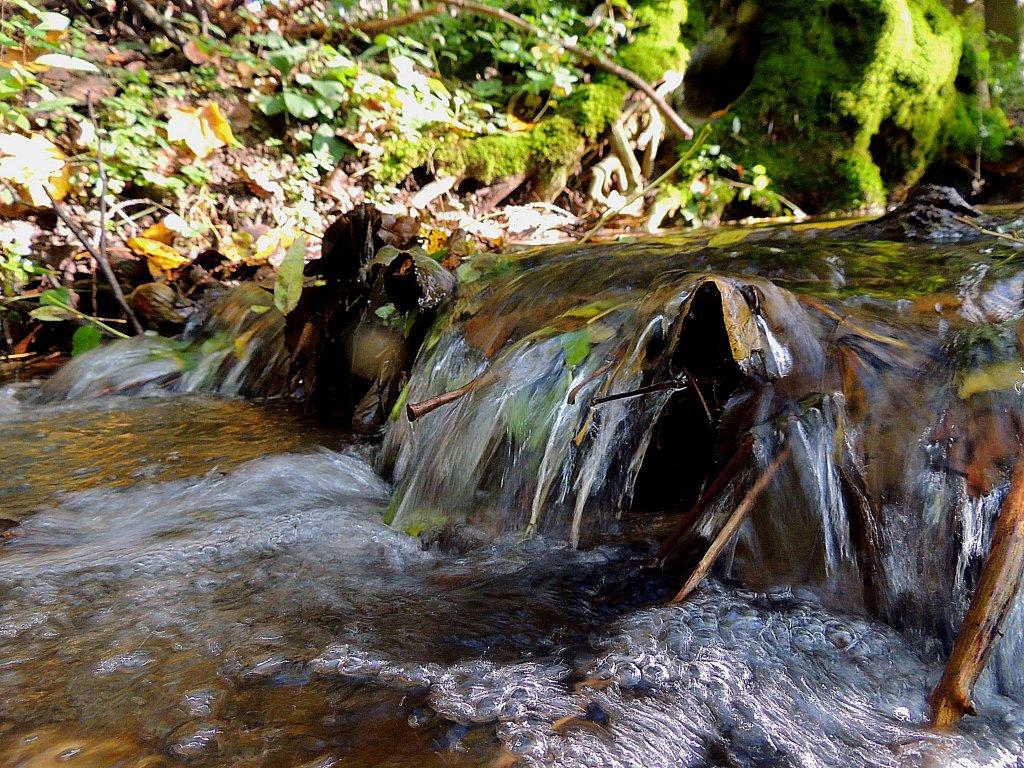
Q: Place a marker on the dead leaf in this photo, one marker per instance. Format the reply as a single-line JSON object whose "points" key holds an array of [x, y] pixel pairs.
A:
{"points": [[201, 129], [159, 255], [194, 53]]}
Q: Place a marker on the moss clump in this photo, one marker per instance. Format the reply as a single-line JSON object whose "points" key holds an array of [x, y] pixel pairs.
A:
{"points": [[553, 143], [864, 85], [594, 106], [400, 157]]}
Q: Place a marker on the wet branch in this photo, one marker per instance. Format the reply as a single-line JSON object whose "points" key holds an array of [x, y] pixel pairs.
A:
{"points": [[661, 386], [997, 586], [732, 525], [416, 410]]}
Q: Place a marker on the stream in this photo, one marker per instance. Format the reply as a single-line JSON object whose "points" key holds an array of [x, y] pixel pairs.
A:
{"points": [[200, 579]]}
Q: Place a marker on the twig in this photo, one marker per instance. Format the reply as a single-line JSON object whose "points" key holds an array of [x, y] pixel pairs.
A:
{"points": [[690, 152], [571, 399], [375, 27], [661, 386], [700, 395], [595, 59], [997, 586], [732, 525], [99, 255], [423, 407], [101, 171], [152, 16], [724, 478], [984, 231]]}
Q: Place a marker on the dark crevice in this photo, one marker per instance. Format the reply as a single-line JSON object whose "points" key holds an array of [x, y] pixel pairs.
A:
{"points": [[682, 453]]}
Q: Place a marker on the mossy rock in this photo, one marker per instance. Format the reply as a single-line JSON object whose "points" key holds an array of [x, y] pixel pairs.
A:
{"points": [[848, 97]]}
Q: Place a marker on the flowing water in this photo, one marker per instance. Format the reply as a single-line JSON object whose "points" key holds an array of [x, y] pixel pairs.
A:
{"points": [[196, 579]]}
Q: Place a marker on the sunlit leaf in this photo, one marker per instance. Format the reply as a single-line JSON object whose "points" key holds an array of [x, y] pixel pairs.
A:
{"points": [[201, 129], [160, 255], [35, 167], [288, 287], [299, 105], [62, 61]]}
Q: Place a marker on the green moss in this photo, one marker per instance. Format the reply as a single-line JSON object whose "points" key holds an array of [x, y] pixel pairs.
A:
{"points": [[593, 107], [553, 143], [864, 85], [656, 48], [400, 157], [973, 125]]}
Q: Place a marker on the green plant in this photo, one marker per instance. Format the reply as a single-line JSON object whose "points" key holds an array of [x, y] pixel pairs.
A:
{"points": [[33, 40]]}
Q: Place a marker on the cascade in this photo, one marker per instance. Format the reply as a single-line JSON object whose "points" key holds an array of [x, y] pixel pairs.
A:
{"points": [[606, 391]]}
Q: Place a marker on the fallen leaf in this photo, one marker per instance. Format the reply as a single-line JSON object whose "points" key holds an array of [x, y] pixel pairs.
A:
{"points": [[160, 255], [201, 129], [194, 53], [35, 167]]}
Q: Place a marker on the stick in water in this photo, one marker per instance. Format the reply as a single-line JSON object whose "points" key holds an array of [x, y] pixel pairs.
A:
{"points": [[732, 525], [997, 586], [423, 407]]}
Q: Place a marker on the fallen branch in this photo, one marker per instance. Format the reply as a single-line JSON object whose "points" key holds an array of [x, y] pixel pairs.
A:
{"points": [[997, 586], [732, 525]]}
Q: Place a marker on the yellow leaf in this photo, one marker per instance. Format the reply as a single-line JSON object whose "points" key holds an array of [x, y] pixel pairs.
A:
{"points": [[436, 240], [994, 377], [159, 232], [202, 129], [159, 255], [34, 166], [515, 125], [273, 243]]}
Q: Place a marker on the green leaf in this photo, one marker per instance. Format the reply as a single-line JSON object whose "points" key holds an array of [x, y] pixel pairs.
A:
{"points": [[299, 105], [52, 314], [576, 346], [87, 337], [56, 297], [272, 105], [288, 287]]}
